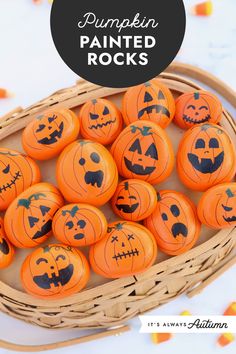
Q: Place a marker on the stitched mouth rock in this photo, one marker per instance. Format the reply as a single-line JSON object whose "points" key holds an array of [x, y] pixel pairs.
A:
{"points": [[230, 219], [196, 121], [156, 108], [127, 254], [44, 281], [179, 229], [11, 183], [129, 209], [138, 169], [206, 165], [53, 137], [98, 126]]}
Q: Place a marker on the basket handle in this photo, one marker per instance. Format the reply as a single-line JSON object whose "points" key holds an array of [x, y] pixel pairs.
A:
{"points": [[114, 331], [203, 76]]}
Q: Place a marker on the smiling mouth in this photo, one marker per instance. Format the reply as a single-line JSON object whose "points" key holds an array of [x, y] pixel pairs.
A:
{"points": [[129, 209], [138, 169], [127, 254], [98, 126], [44, 282], [12, 182], [179, 229], [53, 137], [155, 108], [230, 219], [196, 121], [206, 165]]}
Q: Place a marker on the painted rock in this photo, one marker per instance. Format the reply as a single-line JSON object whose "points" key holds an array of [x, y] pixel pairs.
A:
{"points": [[28, 220], [47, 135], [54, 271], [6, 249]]}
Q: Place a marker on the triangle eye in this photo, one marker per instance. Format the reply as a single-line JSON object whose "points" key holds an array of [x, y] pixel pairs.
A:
{"points": [[152, 152], [161, 95], [106, 111], [147, 97], [136, 147], [44, 209], [51, 119], [32, 221], [40, 128]]}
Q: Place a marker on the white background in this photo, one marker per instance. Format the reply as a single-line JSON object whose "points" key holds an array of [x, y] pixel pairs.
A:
{"points": [[31, 68]]}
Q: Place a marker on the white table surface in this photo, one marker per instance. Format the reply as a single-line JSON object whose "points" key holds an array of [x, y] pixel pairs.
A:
{"points": [[31, 68]]}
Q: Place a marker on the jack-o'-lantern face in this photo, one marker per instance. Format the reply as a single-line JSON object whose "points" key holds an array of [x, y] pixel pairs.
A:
{"points": [[134, 200], [28, 221], [91, 174], [174, 223], [150, 101], [143, 151], [100, 121], [17, 172], [6, 249], [54, 271], [197, 108], [217, 207], [206, 156], [128, 248], [47, 135], [79, 225]]}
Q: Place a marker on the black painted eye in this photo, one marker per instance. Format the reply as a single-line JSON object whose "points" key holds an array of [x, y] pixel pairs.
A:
{"points": [[161, 95], [95, 157], [44, 209], [60, 256], [40, 128], [130, 237], [164, 216], [114, 239], [82, 161], [200, 144], [203, 107], [136, 147], [6, 169], [51, 119], [70, 224], [93, 116], [147, 97], [120, 197], [81, 224], [40, 260], [132, 197], [175, 210], [106, 111], [226, 208], [213, 143], [152, 152], [191, 106], [32, 221]]}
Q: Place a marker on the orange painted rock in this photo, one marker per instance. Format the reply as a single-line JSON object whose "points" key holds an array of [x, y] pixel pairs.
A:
{"points": [[217, 206], [144, 151], [28, 220], [151, 101], [54, 271], [101, 121], [6, 249], [134, 200], [87, 173], [17, 172], [174, 223], [127, 249], [79, 225], [206, 157], [197, 107], [47, 135]]}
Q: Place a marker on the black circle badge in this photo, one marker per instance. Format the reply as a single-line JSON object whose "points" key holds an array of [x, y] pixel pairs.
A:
{"points": [[118, 43]]}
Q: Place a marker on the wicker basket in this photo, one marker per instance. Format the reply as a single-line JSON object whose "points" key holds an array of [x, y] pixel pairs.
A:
{"points": [[116, 301]]}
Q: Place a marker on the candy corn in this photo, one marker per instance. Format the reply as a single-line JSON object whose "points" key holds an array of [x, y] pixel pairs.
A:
{"points": [[231, 310], [225, 339], [203, 9], [185, 313], [4, 93], [158, 338]]}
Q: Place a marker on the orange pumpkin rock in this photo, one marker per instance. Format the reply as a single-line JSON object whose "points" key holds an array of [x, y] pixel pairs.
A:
{"points": [[174, 223], [47, 135], [144, 151], [79, 225], [54, 271], [151, 101], [197, 107], [28, 220], [6, 249], [87, 173], [127, 249], [17, 172], [217, 206], [206, 157], [101, 121], [134, 200]]}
